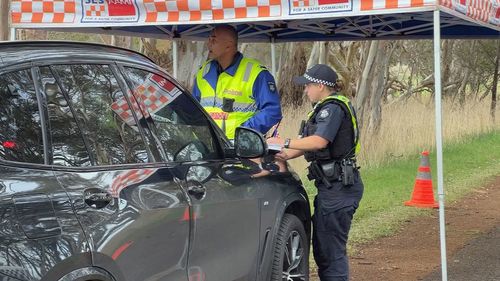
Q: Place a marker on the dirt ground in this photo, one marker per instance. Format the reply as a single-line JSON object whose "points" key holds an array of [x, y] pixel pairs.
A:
{"points": [[414, 252]]}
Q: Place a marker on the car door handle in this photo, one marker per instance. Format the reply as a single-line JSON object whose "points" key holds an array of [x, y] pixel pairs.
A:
{"points": [[196, 189], [97, 198]]}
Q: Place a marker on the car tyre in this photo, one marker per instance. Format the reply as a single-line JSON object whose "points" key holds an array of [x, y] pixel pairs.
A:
{"points": [[291, 251]]}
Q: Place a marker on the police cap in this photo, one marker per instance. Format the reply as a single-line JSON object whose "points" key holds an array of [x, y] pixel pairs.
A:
{"points": [[320, 73]]}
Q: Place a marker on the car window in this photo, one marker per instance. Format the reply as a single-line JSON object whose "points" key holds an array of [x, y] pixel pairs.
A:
{"points": [[98, 104], [182, 128], [68, 145], [20, 129]]}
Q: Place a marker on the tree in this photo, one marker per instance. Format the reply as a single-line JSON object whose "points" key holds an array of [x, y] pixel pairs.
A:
{"points": [[364, 89], [344, 58], [191, 56], [291, 94], [4, 21], [371, 87], [161, 55], [495, 85], [379, 80]]}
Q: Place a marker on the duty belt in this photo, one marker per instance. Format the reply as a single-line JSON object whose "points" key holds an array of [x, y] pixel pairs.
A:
{"points": [[333, 171]]}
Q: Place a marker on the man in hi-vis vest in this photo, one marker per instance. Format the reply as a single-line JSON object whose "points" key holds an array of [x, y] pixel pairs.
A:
{"points": [[234, 90]]}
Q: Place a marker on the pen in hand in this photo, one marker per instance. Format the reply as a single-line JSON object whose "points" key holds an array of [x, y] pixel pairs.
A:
{"points": [[275, 132]]}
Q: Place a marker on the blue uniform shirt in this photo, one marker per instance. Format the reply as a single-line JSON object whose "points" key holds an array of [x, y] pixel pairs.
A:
{"points": [[328, 121], [265, 94]]}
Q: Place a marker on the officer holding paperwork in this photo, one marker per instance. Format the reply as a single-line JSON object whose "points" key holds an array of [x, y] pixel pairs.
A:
{"points": [[233, 89], [329, 141]]}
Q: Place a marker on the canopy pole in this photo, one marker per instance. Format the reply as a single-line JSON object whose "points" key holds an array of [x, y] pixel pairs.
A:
{"points": [[439, 140], [175, 58], [273, 58], [12, 34]]}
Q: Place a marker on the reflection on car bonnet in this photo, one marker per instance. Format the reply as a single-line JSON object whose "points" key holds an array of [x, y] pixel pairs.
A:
{"points": [[236, 175], [128, 178]]}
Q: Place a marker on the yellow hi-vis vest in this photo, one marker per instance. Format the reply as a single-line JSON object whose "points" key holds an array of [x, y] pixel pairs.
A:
{"points": [[347, 105], [238, 87]]}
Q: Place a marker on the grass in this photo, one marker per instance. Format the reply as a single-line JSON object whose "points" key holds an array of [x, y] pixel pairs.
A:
{"points": [[409, 128], [467, 165], [390, 159], [406, 129]]}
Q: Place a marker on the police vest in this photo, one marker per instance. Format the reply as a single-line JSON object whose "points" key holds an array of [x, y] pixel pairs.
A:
{"points": [[346, 143], [237, 89]]}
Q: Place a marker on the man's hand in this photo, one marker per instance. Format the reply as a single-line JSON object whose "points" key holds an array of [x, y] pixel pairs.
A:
{"points": [[281, 156], [284, 154]]}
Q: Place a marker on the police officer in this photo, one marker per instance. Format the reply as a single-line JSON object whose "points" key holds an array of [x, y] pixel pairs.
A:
{"points": [[233, 89], [329, 141]]}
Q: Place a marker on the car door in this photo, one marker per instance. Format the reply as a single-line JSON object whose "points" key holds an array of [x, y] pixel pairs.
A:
{"points": [[134, 215], [225, 211], [39, 231]]}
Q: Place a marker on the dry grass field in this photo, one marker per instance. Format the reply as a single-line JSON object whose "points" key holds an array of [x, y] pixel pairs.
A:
{"points": [[407, 128]]}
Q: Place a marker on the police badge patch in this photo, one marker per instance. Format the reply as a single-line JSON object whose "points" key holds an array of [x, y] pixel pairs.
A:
{"points": [[324, 113], [272, 86]]}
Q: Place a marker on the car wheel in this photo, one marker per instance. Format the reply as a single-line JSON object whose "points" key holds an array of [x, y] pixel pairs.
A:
{"points": [[291, 251]]}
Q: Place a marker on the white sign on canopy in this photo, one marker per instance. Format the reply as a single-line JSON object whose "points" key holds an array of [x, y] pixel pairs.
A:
{"points": [[265, 20]]}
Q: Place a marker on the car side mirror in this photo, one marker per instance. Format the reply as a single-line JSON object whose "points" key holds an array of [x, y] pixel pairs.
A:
{"points": [[249, 143]]}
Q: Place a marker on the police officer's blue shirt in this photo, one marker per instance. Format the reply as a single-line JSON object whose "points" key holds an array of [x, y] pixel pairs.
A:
{"points": [[328, 121], [265, 94]]}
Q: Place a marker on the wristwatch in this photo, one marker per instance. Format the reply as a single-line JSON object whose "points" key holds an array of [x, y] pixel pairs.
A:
{"points": [[287, 143]]}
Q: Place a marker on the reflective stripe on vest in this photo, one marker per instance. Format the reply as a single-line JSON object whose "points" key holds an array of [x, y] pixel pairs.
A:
{"points": [[238, 87], [352, 112]]}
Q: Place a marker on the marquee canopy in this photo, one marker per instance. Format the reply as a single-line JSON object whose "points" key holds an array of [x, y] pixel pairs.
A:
{"points": [[279, 21], [264, 20]]}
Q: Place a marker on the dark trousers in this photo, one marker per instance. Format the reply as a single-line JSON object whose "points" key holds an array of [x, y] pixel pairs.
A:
{"points": [[330, 234]]}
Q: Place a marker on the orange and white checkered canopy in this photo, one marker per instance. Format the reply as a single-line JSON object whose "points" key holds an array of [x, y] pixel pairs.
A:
{"points": [[277, 19]]}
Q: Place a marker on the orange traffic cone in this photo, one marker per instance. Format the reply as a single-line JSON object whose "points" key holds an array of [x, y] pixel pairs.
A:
{"points": [[423, 196]]}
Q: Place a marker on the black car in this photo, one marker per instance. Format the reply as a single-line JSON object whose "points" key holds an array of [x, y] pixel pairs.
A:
{"points": [[110, 170]]}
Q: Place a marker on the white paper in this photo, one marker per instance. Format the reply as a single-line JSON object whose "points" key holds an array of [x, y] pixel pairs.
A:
{"points": [[274, 146]]}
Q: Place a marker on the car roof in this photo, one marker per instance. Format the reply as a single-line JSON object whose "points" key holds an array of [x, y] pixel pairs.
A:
{"points": [[16, 52]]}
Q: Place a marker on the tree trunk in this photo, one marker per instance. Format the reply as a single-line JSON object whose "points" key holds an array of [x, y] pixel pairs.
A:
{"points": [[292, 63], [32, 34], [243, 47], [448, 65], [380, 75], [462, 88], [314, 56], [363, 92], [191, 56], [466, 77], [319, 54], [106, 39], [342, 57], [160, 56], [409, 91], [342, 70], [122, 41], [323, 52], [4, 21], [494, 89]]}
